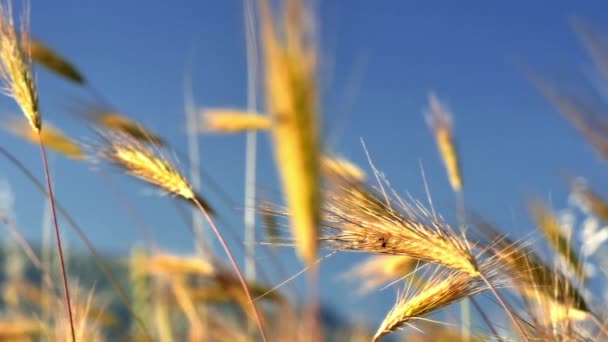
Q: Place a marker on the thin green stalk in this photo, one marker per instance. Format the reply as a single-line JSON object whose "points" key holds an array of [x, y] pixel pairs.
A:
{"points": [[64, 275], [258, 318]]}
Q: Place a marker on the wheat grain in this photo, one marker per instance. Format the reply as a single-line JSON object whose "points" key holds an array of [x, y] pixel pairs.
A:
{"points": [[16, 65]]}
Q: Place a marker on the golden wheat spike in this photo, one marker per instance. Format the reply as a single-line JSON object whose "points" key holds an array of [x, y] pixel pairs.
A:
{"points": [[51, 138], [53, 61], [143, 162], [441, 290], [440, 120], [169, 264], [550, 311], [291, 99], [357, 219], [549, 225], [16, 65], [342, 169], [381, 269], [120, 123], [220, 120], [528, 270]]}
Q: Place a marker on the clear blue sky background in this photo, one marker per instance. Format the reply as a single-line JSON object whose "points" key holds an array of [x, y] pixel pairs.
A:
{"points": [[379, 61]]}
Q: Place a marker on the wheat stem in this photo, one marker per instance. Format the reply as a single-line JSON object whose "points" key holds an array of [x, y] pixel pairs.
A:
{"points": [[503, 303], [26, 247], [64, 275], [239, 274], [83, 238], [486, 319], [599, 324]]}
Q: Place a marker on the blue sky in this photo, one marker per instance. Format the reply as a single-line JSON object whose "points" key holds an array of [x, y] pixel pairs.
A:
{"points": [[379, 60]]}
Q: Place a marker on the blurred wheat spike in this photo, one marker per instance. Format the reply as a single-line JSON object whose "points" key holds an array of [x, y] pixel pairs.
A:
{"points": [[342, 171], [121, 123], [291, 99], [16, 65], [440, 121], [53, 61], [51, 138], [532, 278], [381, 269], [234, 121]]}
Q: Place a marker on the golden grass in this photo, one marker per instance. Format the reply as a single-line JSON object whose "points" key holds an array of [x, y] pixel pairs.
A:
{"points": [[358, 220], [291, 99], [16, 66], [440, 290], [51, 138], [173, 265], [50, 59], [441, 122], [342, 170], [549, 225], [143, 162], [533, 278], [220, 120], [176, 292], [122, 124], [381, 269]]}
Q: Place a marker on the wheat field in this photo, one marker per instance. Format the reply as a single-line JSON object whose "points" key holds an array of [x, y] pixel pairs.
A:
{"points": [[305, 200]]}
